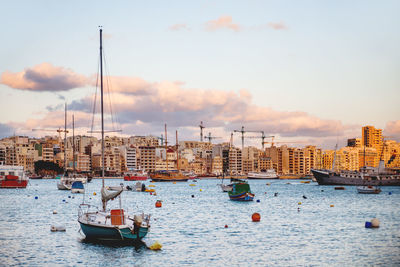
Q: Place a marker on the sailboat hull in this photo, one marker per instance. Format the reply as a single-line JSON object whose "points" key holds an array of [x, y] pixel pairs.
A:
{"points": [[95, 232]]}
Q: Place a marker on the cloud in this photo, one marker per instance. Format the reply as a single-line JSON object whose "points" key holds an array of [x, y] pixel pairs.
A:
{"points": [[6, 130], [179, 27], [44, 77], [223, 22], [277, 26], [392, 129]]}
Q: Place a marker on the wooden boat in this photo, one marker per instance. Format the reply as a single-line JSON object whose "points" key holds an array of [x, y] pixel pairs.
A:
{"points": [[116, 224], [13, 177], [368, 189], [241, 192]]}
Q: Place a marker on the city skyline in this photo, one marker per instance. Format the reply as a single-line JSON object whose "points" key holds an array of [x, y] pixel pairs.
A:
{"points": [[313, 71]]}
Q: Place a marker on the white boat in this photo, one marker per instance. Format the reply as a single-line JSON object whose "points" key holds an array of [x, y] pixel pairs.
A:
{"points": [[268, 174], [368, 189], [226, 187], [116, 224]]}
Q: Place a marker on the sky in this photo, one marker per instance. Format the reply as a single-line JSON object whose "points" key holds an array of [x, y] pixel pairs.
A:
{"points": [[306, 72]]}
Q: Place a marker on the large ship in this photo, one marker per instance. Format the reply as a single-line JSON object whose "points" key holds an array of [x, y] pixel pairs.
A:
{"points": [[268, 174], [366, 176]]}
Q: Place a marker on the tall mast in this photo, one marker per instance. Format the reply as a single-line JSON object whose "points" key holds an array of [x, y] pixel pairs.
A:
{"points": [[73, 142], [65, 139], [166, 153], [177, 154], [102, 112]]}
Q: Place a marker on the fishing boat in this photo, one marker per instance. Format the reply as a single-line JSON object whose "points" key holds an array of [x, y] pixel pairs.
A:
{"points": [[267, 174], [13, 177], [169, 175], [115, 224], [368, 189], [77, 187], [136, 175], [241, 192]]}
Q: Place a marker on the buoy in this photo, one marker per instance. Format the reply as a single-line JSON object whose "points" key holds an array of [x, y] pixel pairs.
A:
{"points": [[192, 195], [299, 203], [155, 246], [151, 193], [256, 217], [322, 190], [304, 197], [192, 184], [151, 185], [201, 190], [390, 193], [94, 193], [54, 212], [155, 194], [158, 204], [298, 209], [276, 194], [375, 223], [332, 206], [226, 226], [368, 224], [59, 228], [174, 182], [63, 200], [258, 201], [268, 184]]}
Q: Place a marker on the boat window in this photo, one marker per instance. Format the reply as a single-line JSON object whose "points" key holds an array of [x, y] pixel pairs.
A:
{"points": [[11, 173], [2, 173]]}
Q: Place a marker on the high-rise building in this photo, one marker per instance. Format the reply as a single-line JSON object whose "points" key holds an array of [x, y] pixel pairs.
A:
{"points": [[372, 137]]}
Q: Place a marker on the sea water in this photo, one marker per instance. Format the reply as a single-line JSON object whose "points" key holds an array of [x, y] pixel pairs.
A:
{"points": [[302, 225]]}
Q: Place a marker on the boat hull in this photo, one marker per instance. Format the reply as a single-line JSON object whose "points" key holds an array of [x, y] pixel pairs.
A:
{"points": [[13, 183], [135, 178], [105, 233], [368, 190], [244, 196], [330, 178]]}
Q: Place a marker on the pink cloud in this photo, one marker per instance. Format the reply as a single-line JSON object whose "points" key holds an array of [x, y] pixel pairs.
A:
{"points": [[44, 77], [277, 25], [223, 22], [179, 27], [393, 129]]}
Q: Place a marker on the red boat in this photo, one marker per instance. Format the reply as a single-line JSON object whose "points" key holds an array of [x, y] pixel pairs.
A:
{"points": [[137, 175], [12, 177]]}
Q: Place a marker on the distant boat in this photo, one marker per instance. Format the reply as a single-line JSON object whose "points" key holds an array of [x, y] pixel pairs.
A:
{"points": [[241, 192], [35, 176], [77, 187], [268, 174], [136, 175], [368, 189], [13, 177]]}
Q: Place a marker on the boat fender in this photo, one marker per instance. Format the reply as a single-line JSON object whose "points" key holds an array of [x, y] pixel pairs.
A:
{"points": [[36, 197], [332, 206], [375, 223], [54, 212], [368, 225], [390, 193], [258, 201], [226, 226], [158, 204]]}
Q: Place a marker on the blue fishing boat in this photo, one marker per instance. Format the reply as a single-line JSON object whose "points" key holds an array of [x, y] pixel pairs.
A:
{"points": [[241, 192], [77, 187], [116, 224]]}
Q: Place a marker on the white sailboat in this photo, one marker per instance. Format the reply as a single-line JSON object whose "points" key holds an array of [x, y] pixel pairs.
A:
{"points": [[115, 224]]}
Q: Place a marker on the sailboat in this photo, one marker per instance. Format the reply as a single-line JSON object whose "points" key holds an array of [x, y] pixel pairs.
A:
{"points": [[65, 182], [114, 224], [169, 175]]}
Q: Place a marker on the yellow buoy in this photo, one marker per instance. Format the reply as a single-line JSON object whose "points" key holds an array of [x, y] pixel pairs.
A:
{"points": [[149, 190], [155, 246], [299, 203], [201, 190], [94, 193], [152, 185], [192, 184]]}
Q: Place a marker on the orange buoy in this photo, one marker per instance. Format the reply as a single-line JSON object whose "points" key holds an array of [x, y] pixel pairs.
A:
{"points": [[158, 204], [226, 226], [256, 217]]}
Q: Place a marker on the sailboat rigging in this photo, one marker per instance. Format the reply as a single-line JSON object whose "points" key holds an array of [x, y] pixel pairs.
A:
{"points": [[114, 224]]}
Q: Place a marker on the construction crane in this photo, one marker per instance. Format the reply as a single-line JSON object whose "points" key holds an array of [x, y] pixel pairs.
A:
{"points": [[209, 137], [263, 136], [241, 131], [161, 138], [201, 131], [285, 142], [59, 130]]}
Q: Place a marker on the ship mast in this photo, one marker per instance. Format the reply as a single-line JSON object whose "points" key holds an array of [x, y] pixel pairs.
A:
{"points": [[102, 114], [73, 142], [166, 153], [65, 139]]}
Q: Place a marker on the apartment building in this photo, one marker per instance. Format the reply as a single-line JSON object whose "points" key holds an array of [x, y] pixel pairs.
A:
{"points": [[147, 158]]}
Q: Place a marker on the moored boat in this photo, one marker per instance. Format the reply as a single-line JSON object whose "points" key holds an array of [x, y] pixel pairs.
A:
{"points": [[77, 187], [241, 192], [13, 177], [168, 176], [368, 189], [268, 174], [136, 175]]}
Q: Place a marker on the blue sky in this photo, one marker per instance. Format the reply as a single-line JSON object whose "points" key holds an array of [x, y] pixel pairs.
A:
{"points": [[307, 70]]}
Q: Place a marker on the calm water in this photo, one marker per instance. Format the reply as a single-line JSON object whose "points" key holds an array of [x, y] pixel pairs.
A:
{"points": [[192, 232]]}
